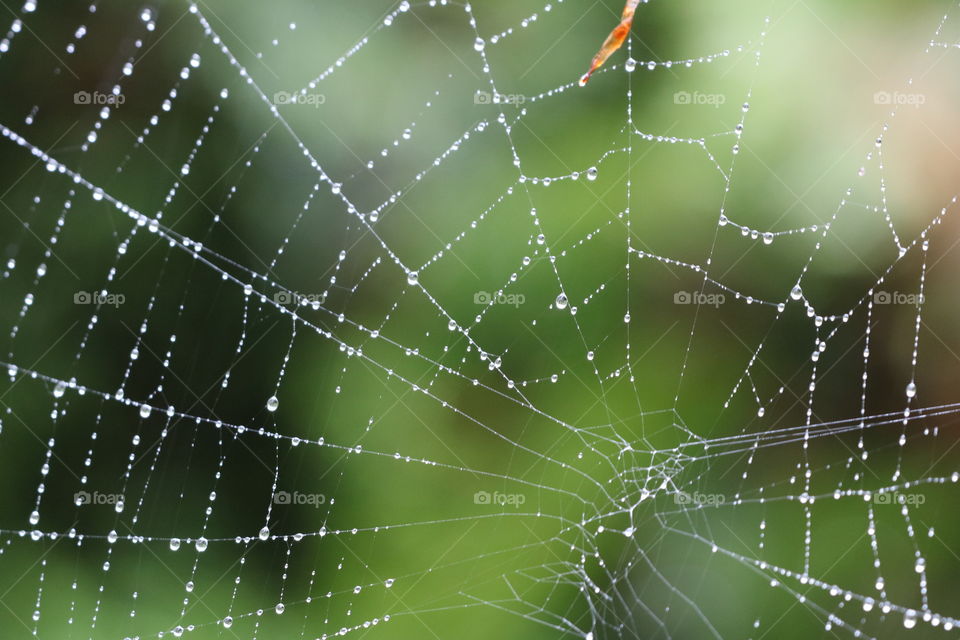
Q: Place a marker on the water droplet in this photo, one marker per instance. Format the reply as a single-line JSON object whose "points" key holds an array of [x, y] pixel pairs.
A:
{"points": [[592, 173], [768, 238], [264, 533], [112, 536], [201, 544], [388, 583], [910, 619], [796, 293], [920, 566], [279, 608], [479, 44], [413, 278], [561, 301], [145, 410], [630, 65], [59, 389], [273, 403], [227, 622], [911, 389]]}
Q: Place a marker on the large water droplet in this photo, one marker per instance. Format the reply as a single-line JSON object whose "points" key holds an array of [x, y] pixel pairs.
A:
{"points": [[174, 544], [796, 293], [592, 173], [272, 403], [561, 301], [911, 389], [910, 619], [264, 533], [201, 544]]}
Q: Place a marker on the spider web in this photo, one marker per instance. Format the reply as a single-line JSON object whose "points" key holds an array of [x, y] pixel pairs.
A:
{"points": [[428, 341]]}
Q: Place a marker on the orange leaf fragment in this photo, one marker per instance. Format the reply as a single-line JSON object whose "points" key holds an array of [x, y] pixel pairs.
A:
{"points": [[613, 41]]}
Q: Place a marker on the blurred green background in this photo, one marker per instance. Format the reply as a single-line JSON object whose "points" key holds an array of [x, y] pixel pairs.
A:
{"points": [[390, 427]]}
